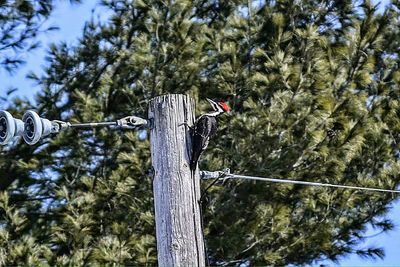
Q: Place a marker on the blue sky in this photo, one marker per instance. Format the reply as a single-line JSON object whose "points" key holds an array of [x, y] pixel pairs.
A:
{"points": [[389, 241], [71, 19]]}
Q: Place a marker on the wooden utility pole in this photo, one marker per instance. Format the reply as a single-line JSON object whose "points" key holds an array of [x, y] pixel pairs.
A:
{"points": [[176, 193]]}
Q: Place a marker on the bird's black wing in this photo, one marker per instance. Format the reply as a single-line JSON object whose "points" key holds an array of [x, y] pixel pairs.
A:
{"points": [[205, 128]]}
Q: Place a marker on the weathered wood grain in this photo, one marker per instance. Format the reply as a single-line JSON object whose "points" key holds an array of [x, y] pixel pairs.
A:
{"points": [[176, 192]]}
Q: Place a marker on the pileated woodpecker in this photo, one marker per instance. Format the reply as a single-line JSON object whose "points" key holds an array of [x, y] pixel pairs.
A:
{"points": [[205, 128]]}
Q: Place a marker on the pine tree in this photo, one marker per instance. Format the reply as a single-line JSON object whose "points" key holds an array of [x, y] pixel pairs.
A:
{"points": [[21, 21], [314, 89]]}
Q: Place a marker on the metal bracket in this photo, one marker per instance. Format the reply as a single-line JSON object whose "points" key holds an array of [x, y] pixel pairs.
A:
{"points": [[150, 123], [205, 175], [132, 122], [57, 126]]}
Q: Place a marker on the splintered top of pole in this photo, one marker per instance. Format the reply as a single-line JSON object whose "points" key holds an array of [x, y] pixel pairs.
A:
{"points": [[176, 191], [174, 98]]}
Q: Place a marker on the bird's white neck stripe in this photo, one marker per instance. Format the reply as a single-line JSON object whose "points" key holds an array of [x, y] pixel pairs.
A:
{"points": [[213, 114]]}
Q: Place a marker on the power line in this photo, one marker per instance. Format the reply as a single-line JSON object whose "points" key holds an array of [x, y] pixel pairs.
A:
{"points": [[226, 174]]}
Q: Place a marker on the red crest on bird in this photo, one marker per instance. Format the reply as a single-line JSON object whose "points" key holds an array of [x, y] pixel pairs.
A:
{"points": [[224, 106]]}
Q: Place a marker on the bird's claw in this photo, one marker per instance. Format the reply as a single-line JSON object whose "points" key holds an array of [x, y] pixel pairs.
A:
{"points": [[186, 124]]}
